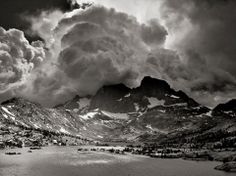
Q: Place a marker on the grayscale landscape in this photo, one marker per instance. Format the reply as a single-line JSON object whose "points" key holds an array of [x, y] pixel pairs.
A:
{"points": [[117, 88]]}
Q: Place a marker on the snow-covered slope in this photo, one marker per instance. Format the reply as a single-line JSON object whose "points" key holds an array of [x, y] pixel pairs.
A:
{"points": [[152, 112], [153, 107]]}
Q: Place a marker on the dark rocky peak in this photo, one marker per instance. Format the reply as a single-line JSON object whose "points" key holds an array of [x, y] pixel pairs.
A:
{"points": [[121, 99], [152, 83], [113, 98], [227, 109], [112, 92], [153, 87], [229, 106], [161, 89]]}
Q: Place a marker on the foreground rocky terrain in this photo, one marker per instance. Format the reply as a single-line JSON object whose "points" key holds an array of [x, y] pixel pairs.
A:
{"points": [[151, 113]]}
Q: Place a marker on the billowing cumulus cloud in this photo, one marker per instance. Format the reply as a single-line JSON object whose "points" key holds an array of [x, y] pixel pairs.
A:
{"points": [[17, 58], [154, 34]]}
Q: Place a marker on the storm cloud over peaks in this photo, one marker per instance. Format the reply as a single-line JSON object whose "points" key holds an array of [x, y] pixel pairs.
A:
{"points": [[89, 49], [106, 47], [189, 44]]}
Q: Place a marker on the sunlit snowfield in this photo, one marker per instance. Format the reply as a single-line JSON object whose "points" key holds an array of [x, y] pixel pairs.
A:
{"points": [[55, 161]]}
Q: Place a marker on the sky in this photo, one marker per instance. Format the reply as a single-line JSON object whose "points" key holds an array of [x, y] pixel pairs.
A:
{"points": [[49, 52]]}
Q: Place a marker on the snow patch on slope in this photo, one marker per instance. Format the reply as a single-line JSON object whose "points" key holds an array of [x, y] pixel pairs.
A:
{"points": [[155, 102], [88, 115], [4, 115], [162, 111], [150, 127], [36, 126], [209, 113], [64, 131], [120, 99], [177, 105], [12, 116], [173, 96], [136, 105], [128, 95], [99, 136], [122, 116], [7, 111]]}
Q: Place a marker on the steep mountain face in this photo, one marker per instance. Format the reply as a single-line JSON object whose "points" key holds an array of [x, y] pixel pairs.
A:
{"points": [[120, 99], [153, 112], [152, 108], [227, 109], [31, 115], [24, 122], [218, 130], [151, 93]]}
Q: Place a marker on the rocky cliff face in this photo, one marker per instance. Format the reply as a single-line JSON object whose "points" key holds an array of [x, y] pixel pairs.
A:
{"points": [[151, 93], [153, 112]]}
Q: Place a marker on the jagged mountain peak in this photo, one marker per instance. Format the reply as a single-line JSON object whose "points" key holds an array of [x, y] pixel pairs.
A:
{"points": [[114, 91], [153, 82], [119, 98], [115, 112]]}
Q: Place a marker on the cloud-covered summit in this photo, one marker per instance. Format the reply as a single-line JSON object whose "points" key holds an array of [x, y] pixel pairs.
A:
{"points": [[92, 48]]}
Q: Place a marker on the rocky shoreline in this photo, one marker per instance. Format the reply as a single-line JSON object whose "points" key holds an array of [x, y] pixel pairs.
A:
{"points": [[226, 156]]}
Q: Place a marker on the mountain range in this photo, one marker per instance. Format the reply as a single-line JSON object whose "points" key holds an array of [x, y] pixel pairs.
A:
{"points": [[152, 113]]}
